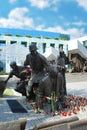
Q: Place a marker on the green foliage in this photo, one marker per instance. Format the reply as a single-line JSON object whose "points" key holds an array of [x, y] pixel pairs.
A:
{"points": [[8, 92], [46, 37], [3, 73], [18, 35], [38, 37], [29, 36], [53, 100], [8, 34], [56, 38], [64, 37]]}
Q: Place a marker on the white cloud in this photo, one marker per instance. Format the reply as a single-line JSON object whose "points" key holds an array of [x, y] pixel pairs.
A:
{"points": [[73, 32], [80, 23], [82, 3], [55, 9], [17, 19], [77, 23], [18, 13], [12, 1], [40, 27], [61, 17], [55, 1], [41, 4], [55, 29], [76, 33]]}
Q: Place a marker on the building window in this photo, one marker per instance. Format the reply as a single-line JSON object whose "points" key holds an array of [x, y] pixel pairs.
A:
{"points": [[85, 43], [24, 44], [12, 42], [1, 66], [35, 43], [61, 46], [2, 43], [44, 47], [52, 44]]}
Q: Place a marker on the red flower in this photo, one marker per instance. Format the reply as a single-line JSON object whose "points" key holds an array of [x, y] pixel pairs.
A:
{"points": [[81, 99], [78, 108], [64, 113], [45, 97], [53, 113], [69, 113], [74, 112], [46, 113]]}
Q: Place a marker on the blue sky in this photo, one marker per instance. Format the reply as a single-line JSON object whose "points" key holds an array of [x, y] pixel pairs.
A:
{"points": [[62, 16]]}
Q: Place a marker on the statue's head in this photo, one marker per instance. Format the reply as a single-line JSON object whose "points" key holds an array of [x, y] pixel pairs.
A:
{"points": [[32, 48], [61, 53], [13, 64]]}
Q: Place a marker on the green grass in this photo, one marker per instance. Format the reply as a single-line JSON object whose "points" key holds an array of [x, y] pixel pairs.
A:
{"points": [[8, 92]]}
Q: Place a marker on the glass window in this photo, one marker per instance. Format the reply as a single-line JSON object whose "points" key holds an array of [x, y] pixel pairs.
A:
{"points": [[24, 44], [52, 44], [85, 43], [60, 46], [35, 43], [44, 47], [2, 43], [12, 42]]}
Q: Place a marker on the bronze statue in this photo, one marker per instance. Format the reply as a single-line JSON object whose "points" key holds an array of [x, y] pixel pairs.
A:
{"points": [[43, 74]]}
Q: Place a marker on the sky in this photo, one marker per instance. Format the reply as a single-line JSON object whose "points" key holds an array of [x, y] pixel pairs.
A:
{"points": [[62, 16]]}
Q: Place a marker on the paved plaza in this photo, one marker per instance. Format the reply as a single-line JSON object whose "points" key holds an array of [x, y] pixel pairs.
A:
{"points": [[76, 84]]}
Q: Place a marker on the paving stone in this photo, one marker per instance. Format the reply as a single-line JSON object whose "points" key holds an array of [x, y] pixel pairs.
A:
{"points": [[75, 82]]}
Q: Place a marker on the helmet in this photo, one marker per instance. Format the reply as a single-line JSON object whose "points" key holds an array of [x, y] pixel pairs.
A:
{"points": [[13, 63], [32, 47], [61, 52]]}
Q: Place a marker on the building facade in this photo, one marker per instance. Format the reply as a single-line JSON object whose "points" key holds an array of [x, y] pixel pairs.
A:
{"points": [[14, 44], [77, 53]]}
